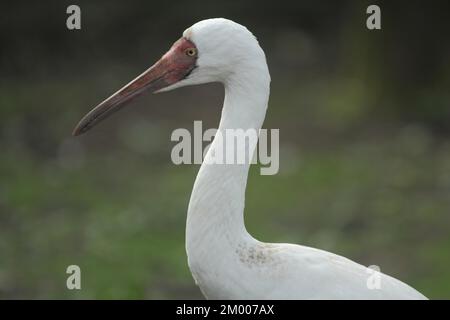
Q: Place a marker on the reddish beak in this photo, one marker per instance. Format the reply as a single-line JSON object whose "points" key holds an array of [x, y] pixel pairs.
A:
{"points": [[174, 66]]}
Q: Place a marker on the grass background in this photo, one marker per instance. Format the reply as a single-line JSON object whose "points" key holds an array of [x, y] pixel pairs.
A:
{"points": [[364, 131]]}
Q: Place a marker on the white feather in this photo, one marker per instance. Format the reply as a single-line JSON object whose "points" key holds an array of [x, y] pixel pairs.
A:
{"points": [[227, 262]]}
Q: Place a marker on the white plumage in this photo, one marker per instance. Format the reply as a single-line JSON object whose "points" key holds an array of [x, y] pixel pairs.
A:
{"points": [[225, 260]]}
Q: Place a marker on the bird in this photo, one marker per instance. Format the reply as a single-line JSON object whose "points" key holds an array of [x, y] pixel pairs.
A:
{"points": [[226, 262]]}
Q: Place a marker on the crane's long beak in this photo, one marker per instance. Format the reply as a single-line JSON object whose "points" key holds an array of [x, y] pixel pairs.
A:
{"points": [[171, 68]]}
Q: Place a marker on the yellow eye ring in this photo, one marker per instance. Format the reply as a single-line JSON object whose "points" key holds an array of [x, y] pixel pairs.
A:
{"points": [[191, 52]]}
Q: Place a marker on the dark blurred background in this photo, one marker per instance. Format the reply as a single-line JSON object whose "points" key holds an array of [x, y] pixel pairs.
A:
{"points": [[364, 122]]}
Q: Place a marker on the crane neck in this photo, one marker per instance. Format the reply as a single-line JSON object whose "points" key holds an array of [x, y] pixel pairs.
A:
{"points": [[215, 222]]}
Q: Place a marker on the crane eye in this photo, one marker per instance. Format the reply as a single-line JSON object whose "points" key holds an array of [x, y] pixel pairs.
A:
{"points": [[191, 52]]}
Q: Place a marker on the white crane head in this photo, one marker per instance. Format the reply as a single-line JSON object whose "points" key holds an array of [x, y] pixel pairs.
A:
{"points": [[211, 50], [224, 48]]}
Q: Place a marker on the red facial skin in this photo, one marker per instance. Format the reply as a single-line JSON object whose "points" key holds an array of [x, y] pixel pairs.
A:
{"points": [[174, 66], [178, 62]]}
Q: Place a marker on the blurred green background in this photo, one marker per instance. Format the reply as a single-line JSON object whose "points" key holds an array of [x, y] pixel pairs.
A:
{"points": [[364, 121]]}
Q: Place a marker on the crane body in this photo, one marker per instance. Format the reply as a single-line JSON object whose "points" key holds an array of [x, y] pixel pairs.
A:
{"points": [[225, 260]]}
